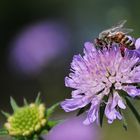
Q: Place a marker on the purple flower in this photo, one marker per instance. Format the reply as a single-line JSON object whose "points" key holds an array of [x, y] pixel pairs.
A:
{"points": [[73, 129], [99, 74], [37, 45]]}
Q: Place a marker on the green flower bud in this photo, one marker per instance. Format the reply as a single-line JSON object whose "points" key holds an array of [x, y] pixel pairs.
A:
{"points": [[26, 120], [30, 121]]}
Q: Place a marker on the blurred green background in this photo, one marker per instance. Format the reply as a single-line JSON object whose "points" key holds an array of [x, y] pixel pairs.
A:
{"points": [[75, 21]]}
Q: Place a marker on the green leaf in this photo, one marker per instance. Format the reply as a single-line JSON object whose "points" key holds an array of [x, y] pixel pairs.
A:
{"points": [[53, 123], [50, 110], [3, 132], [124, 124], [38, 100], [13, 104], [81, 111], [137, 97], [123, 93], [44, 132], [138, 85], [102, 110], [25, 102], [7, 115], [133, 109], [124, 121], [35, 137]]}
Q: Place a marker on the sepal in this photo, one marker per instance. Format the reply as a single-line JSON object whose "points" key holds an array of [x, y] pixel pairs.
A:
{"points": [[51, 109]]}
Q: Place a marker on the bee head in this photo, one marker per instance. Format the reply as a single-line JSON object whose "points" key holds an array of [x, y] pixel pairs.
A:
{"points": [[103, 34]]}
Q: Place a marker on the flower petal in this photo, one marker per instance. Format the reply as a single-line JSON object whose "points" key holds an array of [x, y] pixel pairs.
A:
{"points": [[137, 43], [132, 91], [121, 104], [110, 111], [89, 47], [73, 104], [92, 115]]}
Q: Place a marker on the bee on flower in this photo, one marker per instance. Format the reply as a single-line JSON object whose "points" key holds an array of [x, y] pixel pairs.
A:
{"points": [[103, 82], [116, 34]]}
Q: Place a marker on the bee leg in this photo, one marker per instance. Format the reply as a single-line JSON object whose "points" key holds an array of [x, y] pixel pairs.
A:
{"points": [[106, 45], [122, 49], [133, 47], [99, 43], [110, 44]]}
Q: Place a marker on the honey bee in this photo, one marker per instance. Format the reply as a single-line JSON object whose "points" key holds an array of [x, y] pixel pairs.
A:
{"points": [[116, 34]]}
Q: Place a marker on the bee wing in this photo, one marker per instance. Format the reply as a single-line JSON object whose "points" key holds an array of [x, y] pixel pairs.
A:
{"points": [[125, 30], [120, 24], [116, 28]]}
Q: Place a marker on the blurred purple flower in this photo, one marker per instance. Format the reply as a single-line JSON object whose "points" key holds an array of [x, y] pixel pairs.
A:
{"points": [[73, 129], [102, 73], [37, 45]]}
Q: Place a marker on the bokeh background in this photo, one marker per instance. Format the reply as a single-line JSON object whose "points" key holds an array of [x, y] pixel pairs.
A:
{"points": [[38, 39]]}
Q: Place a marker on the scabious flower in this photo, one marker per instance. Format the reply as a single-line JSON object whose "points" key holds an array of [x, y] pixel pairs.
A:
{"points": [[101, 78]]}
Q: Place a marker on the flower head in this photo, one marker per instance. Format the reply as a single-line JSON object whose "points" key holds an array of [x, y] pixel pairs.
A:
{"points": [[29, 121], [26, 120], [98, 77]]}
